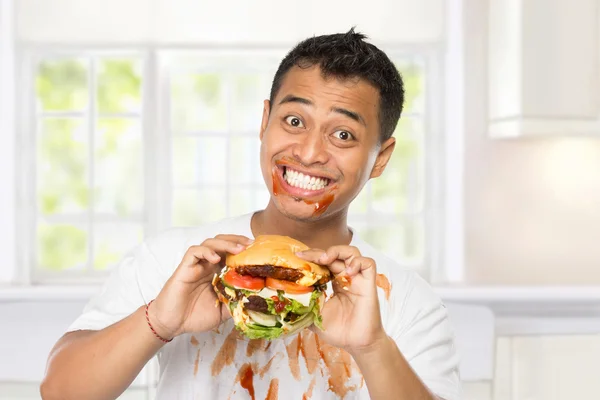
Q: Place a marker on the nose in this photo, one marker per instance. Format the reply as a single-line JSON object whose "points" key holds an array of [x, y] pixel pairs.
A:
{"points": [[311, 149]]}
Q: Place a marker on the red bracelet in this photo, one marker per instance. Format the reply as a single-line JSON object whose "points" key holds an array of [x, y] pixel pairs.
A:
{"points": [[151, 328]]}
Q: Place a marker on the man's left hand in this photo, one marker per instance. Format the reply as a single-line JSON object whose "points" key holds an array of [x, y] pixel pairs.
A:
{"points": [[351, 318]]}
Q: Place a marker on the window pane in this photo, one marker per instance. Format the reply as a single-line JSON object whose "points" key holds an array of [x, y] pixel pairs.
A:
{"points": [[119, 85], [62, 247], [193, 207], [404, 242], [198, 103], [112, 241], [244, 160], [119, 167], [243, 201], [199, 160], [413, 76], [62, 169], [400, 189], [62, 85], [249, 92]]}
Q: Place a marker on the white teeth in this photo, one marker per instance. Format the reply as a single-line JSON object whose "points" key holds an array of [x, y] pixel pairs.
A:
{"points": [[306, 182]]}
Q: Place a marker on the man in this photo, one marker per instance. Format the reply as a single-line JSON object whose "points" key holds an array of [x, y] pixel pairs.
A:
{"points": [[326, 130]]}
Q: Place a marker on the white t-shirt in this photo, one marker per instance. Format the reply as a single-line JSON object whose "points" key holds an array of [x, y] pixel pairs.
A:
{"points": [[225, 365]]}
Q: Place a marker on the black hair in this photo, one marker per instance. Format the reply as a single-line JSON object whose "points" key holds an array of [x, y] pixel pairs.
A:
{"points": [[348, 55]]}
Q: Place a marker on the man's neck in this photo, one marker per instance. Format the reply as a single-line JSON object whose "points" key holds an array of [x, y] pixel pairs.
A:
{"points": [[321, 234]]}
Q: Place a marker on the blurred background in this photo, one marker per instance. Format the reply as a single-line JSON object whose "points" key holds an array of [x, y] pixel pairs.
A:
{"points": [[122, 118]]}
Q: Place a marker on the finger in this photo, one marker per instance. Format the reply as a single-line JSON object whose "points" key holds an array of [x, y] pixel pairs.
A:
{"points": [[363, 265], [344, 253], [200, 253], [312, 255], [243, 240], [223, 246], [315, 255]]}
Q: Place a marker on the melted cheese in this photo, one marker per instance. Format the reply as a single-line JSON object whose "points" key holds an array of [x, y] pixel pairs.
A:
{"points": [[303, 299], [267, 293]]}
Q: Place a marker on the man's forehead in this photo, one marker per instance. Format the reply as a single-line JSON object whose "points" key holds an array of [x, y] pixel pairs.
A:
{"points": [[300, 82]]}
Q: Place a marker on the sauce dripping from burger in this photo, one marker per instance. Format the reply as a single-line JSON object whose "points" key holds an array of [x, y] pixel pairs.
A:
{"points": [[247, 379], [279, 304]]}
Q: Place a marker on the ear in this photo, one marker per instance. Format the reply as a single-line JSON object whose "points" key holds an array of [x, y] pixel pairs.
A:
{"points": [[385, 152], [265, 118]]}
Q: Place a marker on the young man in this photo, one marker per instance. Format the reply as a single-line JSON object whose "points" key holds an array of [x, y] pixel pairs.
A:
{"points": [[325, 131]]}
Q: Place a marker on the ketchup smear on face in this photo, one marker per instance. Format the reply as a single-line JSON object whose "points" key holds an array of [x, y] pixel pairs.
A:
{"points": [[320, 205]]}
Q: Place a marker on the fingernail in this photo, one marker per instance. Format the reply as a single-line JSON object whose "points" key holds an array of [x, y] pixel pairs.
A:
{"points": [[299, 253]]}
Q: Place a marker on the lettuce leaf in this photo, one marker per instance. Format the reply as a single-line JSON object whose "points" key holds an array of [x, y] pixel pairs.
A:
{"points": [[271, 305], [261, 332], [292, 306], [298, 308]]}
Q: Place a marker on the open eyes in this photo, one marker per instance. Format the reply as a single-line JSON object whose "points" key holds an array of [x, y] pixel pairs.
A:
{"points": [[341, 135], [294, 121]]}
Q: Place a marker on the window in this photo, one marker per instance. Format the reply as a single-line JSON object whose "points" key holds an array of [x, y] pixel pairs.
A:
{"points": [[92, 138], [88, 181]]}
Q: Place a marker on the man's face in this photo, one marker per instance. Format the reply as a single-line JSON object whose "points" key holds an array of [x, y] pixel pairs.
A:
{"points": [[320, 143]]}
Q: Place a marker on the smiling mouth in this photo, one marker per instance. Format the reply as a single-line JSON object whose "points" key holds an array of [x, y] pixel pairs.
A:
{"points": [[303, 181]]}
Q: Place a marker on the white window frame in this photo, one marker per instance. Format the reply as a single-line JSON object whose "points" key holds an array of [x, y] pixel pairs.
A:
{"points": [[8, 147]]}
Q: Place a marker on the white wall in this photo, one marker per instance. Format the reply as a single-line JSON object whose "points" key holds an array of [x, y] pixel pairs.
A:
{"points": [[29, 330], [532, 206], [238, 22]]}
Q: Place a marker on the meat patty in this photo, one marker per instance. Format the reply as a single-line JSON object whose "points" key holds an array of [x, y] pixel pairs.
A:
{"points": [[258, 304], [270, 271]]}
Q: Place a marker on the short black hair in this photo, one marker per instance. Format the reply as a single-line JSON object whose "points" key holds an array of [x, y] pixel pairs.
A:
{"points": [[348, 55]]}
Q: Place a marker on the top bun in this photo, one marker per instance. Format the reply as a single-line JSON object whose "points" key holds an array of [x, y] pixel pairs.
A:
{"points": [[279, 251]]}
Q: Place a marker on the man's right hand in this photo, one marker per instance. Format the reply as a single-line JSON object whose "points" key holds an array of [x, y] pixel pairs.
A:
{"points": [[187, 303]]}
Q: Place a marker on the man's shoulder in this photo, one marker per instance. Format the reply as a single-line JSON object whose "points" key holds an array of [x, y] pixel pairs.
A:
{"points": [[169, 245]]}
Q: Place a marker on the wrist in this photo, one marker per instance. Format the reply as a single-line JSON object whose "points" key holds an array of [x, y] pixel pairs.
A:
{"points": [[378, 344], [155, 324]]}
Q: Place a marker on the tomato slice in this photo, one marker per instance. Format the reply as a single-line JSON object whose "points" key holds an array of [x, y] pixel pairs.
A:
{"points": [[287, 286], [232, 278]]}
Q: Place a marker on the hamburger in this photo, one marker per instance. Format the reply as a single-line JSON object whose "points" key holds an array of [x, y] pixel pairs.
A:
{"points": [[270, 291]]}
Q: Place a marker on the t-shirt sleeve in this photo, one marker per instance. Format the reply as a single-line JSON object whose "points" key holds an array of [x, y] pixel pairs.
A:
{"points": [[418, 322], [134, 282]]}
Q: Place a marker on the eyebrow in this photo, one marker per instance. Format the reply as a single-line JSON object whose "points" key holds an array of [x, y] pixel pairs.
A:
{"points": [[290, 98]]}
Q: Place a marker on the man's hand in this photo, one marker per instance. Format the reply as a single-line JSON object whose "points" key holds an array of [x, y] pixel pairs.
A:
{"points": [[351, 318], [187, 302]]}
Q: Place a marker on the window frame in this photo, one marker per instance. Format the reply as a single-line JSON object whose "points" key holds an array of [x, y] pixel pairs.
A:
{"points": [[9, 270], [30, 56], [157, 146]]}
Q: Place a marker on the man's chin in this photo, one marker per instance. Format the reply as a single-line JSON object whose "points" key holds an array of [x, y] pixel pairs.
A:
{"points": [[298, 209]]}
